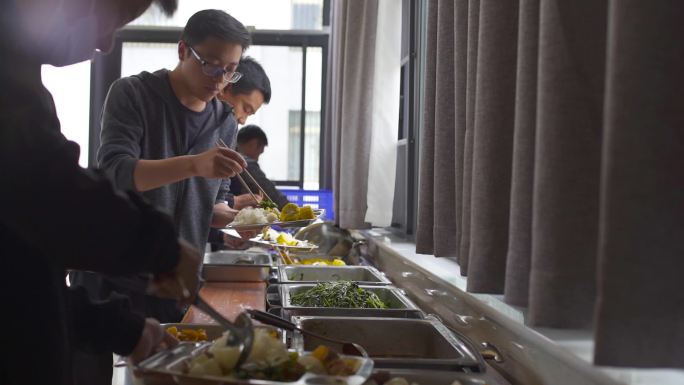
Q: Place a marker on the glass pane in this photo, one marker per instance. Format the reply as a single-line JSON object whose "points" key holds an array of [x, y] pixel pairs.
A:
{"points": [[314, 79], [70, 88], [260, 14], [280, 118], [138, 57]]}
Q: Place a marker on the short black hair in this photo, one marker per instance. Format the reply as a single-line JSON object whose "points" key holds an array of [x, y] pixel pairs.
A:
{"points": [[215, 23], [250, 132], [168, 7], [253, 78]]}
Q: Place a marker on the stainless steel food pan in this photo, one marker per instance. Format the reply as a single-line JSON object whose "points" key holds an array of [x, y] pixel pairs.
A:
{"points": [[394, 342], [433, 377], [399, 306], [236, 266], [364, 275]]}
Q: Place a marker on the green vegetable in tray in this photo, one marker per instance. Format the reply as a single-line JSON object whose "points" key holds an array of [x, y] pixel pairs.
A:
{"points": [[267, 204], [345, 294]]}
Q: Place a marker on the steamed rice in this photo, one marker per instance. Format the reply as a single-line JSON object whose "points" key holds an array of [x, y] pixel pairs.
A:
{"points": [[253, 216]]}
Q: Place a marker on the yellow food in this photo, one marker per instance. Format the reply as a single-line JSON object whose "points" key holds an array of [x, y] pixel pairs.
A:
{"points": [[324, 262], [321, 352], [289, 212], [188, 334], [286, 239], [305, 212]]}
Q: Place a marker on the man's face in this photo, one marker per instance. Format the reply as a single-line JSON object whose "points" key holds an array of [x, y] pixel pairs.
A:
{"points": [[253, 148], [244, 105], [214, 52]]}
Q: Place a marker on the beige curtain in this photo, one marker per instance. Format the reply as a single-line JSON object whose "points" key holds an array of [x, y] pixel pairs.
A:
{"points": [[350, 89], [552, 164]]}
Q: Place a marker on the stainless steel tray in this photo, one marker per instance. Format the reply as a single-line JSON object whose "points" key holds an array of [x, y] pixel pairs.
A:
{"points": [[433, 377], [166, 367], [237, 266], [400, 306], [300, 258], [422, 343], [364, 275]]}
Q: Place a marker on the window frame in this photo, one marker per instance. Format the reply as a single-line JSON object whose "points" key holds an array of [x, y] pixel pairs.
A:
{"points": [[106, 68], [410, 120]]}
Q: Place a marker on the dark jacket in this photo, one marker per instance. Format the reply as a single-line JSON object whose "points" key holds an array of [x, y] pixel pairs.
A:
{"points": [[56, 216], [255, 170], [139, 121]]}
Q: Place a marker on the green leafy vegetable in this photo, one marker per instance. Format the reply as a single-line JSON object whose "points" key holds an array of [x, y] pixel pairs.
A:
{"points": [[344, 294], [267, 204]]}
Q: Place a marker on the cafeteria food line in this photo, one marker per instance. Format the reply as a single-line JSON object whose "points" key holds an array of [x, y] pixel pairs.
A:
{"points": [[355, 302]]}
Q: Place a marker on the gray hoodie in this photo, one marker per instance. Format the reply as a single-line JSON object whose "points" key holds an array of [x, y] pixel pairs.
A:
{"points": [[142, 119]]}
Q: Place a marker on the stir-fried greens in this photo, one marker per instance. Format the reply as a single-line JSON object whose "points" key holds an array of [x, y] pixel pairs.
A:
{"points": [[267, 204], [344, 294]]}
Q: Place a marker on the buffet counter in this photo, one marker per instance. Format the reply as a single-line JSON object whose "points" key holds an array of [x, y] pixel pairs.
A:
{"points": [[228, 298]]}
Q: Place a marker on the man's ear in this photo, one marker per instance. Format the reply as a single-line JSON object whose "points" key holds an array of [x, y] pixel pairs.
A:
{"points": [[182, 49]]}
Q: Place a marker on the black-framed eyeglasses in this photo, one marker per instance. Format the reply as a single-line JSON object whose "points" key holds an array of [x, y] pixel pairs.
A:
{"points": [[214, 70]]}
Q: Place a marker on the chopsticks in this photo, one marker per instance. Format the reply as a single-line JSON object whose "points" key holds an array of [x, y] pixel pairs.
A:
{"points": [[259, 186], [222, 143], [286, 258]]}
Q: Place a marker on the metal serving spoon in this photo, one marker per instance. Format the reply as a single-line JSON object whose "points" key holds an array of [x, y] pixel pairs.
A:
{"points": [[241, 332]]}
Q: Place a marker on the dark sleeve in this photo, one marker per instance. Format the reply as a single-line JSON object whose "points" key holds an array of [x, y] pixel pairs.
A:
{"points": [[265, 183], [103, 326], [122, 131], [81, 222], [230, 138], [224, 193]]}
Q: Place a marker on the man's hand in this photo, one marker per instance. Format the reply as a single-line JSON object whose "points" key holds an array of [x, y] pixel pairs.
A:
{"points": [[152, 339], [222, 215], [246, 200], [182, 283], [218, 162], [237, 243]]}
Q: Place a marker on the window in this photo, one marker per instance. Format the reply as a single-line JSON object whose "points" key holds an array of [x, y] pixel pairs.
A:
{"points": [[70, 88], [307, 14], [137, 57], [412, 60], [259, 14]]}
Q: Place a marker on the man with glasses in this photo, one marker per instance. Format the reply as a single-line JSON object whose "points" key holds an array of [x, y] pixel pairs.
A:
{"points": [[159, 137]]}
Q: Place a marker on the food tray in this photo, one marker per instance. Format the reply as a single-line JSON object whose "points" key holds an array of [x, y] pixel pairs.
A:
{"points": [[318, 214], [424, 343], [166, 367], [278, 298], [364, 275], [237, 266]]}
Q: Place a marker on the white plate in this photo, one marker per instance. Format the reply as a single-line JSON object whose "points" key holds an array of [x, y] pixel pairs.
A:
{"points": [[259, 241], [319, 213]]}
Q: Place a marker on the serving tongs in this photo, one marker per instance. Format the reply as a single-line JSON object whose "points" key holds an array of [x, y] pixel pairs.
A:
{"points": [[349, 348], [241, 332]]}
